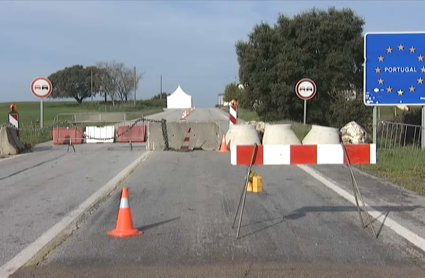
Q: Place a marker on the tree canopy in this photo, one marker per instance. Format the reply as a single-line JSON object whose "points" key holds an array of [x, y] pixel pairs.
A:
{"points": [[232, 91], [324, 45], [113, 79]]}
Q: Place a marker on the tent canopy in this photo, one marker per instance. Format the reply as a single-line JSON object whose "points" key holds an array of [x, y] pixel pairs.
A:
{"points": [[179, 99]]}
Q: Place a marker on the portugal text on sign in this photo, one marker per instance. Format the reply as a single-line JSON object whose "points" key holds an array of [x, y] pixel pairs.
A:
{"points": [[394, 69]]}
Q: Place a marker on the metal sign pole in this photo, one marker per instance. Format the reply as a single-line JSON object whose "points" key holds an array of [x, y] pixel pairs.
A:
{"points": [[375, 123], [423, 128], [305, 111], [41, 113]]}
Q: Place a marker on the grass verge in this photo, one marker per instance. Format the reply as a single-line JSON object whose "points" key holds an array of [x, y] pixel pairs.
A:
{"points": [[31, 134], [403, 166]]}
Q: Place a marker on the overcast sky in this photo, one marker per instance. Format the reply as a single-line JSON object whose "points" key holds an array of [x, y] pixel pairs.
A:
{"points": [[191, 43]]}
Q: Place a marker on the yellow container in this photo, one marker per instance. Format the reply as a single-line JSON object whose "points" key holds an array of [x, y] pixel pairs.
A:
{"points": [[249, 188], [257, 184]]}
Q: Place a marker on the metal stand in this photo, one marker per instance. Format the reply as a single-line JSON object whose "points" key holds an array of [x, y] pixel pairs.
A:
{"points": [[358, 195], [243, 195], [70, 144]]}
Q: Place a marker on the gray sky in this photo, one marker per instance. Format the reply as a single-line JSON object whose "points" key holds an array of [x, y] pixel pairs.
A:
{"points": [[191, 43]]}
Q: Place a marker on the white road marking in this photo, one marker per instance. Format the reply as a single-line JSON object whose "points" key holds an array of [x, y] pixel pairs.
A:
{"points": [[390, 223], [34, 248]]}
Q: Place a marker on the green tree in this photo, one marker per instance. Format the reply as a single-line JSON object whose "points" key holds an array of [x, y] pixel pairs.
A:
{"points": [[161, 96], [75, 82], [232, 91], [324, 45]]}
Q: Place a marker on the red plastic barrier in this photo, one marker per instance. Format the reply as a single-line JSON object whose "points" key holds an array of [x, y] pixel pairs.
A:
{"points": [[136, 134], [64, 135]]}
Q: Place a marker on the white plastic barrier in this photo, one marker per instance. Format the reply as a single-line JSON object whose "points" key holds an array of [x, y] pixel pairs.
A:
{"points": [[100, 134]]}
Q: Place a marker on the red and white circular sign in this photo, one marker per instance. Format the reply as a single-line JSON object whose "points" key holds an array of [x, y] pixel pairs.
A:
{"points": [[41, 87], [305, 89]]}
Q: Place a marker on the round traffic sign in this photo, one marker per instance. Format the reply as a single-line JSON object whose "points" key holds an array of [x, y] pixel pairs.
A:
{"points": [[305, 89], [41, 87]]}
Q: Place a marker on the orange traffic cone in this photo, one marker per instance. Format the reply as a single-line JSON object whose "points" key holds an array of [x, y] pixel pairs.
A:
{"points": [[124, 225], [223, 146]]}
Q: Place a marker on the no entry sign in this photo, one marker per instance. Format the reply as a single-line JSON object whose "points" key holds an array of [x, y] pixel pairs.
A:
{"points": [[305, 89]]}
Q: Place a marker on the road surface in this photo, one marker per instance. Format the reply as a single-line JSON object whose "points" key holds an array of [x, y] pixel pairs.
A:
{"points": [[185, 204]]}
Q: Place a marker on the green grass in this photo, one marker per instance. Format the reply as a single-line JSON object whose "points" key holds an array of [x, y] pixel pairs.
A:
{"points": [[29, 114], [404, 166]]}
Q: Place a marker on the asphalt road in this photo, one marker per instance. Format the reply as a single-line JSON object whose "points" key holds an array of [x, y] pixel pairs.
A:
{"points": [[39, 188], [185, 204]]}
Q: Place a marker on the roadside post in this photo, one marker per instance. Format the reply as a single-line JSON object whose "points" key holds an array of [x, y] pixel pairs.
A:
{"points": [[13, 117]]}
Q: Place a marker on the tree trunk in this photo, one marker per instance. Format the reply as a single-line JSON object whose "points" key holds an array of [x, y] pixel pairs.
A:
{"points": [[79, 99]]}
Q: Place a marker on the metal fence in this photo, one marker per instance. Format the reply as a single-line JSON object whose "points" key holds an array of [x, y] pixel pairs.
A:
{"points": [[395, 135]]}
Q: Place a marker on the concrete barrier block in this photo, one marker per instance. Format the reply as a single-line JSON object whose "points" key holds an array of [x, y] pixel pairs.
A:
{"points": [[242, 134], [203, 135], [322, 135], [9, 142], [280, 134]]}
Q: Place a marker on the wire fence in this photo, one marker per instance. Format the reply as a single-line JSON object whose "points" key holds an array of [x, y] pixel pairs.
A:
{"points": [[398, 135]]}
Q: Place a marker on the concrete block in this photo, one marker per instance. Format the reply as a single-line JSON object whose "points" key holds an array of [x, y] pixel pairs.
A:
{"points": [[242, 134], [280, 134], [322, 135], [9, 142], [203, 135]]}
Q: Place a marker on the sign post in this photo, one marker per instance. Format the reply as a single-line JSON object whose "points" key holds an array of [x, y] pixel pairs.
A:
{"points": [[305, 89], [41, 88], [394, 72]]}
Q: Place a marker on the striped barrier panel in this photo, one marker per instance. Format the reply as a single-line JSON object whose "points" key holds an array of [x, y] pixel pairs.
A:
{"points": [[304, 154], [233, 114]]}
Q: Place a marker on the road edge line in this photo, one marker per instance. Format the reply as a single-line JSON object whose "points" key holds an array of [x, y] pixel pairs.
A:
{"points": [[40, 246], [388, 222]]}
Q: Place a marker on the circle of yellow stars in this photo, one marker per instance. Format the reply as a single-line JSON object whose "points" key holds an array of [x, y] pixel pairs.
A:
{"points": [[412, 88]]}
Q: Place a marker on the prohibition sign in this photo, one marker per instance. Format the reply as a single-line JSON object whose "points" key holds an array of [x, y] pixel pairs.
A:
{"points": [[305, 89], [41, 87]]}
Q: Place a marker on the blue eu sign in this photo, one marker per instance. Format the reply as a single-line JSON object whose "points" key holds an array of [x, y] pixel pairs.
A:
{"points": [[394, 69]]}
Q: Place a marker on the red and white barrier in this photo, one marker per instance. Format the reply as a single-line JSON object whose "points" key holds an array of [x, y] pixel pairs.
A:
{"points": [[14, 119], [67, 135], [304, 154], [185, 145], [233, 114], [184, 115], [136, 134]]}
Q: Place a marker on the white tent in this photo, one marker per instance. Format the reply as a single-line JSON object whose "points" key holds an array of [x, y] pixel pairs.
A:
{"points": [[179, 100]]}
